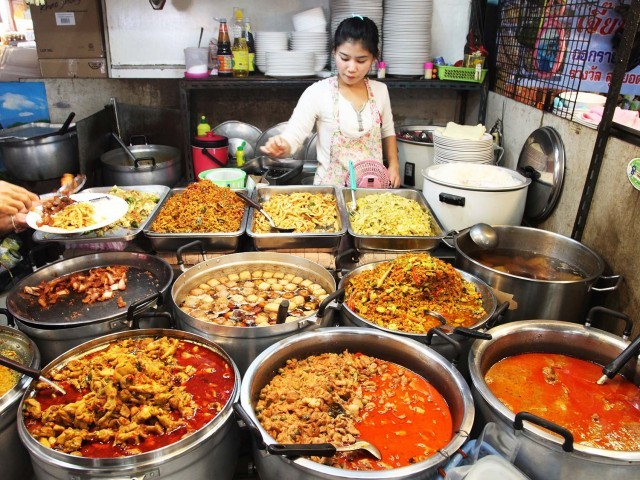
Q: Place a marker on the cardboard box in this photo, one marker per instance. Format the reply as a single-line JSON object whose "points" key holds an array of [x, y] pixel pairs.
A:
{"points": [[68, 29], [74, 68]]}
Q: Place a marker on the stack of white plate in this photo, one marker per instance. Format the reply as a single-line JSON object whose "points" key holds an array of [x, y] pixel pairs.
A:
{"points": [[407, 36], [312, 20], [269, 42], [452, 150], [312, 42], [291, 64], [341, 9]]}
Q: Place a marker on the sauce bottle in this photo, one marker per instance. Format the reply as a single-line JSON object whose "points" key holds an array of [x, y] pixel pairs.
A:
{"points": [[203, 127], [240, 50], [240, 154], [225, 61], [251, 45]]}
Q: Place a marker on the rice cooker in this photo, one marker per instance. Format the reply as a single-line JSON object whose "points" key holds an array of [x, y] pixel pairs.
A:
{"points": [[415, 153]]}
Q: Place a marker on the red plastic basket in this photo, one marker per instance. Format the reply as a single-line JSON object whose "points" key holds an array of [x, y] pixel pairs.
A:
{"points": [[370, 174]]}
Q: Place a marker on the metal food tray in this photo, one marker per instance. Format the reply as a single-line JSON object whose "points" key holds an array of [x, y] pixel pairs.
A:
{"points": [[393, 243], [314, 240], [212, 242], [119, 234]]}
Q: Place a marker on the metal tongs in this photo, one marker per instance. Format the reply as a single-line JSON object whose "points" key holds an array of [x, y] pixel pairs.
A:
{"points": [[250, 201], [31, 372]]}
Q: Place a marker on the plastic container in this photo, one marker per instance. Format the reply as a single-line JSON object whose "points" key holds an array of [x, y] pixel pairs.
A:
{"points": [[382, 69], [209, 151], [203, 127], [428, 70], [196, 61], [225, 177], [460, 74], [240, 154]]}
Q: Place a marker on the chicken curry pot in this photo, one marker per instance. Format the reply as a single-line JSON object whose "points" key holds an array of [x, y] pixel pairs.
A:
{"points": [[136, 403]]}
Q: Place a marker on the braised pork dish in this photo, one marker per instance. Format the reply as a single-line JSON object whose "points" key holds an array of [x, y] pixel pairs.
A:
{"points": [[251, 298], [399, 294], [133, 396], [341, 398], [563, 389]]}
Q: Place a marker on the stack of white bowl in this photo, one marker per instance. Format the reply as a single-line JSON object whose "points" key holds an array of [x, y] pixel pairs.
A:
{"points": [[291, 64], [314, 43], [269, 42], [341, 9], [312, 20], [452, 150], [407, 36]]}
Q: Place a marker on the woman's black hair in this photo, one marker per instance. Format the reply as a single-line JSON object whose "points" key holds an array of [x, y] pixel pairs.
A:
{"points": [[358, 29]]}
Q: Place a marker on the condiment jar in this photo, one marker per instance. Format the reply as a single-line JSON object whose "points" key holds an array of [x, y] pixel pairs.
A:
{"points": [[382, 69], [428, 70]]}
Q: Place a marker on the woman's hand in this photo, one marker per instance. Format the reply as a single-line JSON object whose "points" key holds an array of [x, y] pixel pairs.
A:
{"points": [[13, 223], [14, 199], [394, 175], [277, 146]]}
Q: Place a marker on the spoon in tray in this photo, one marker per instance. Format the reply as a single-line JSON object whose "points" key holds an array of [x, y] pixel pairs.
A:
{"points": [[352, 185], [31, 372], [250, 201], [321, 449]]}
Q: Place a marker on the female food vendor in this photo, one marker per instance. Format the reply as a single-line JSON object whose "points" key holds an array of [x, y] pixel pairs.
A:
{"points": [[351, 113]]}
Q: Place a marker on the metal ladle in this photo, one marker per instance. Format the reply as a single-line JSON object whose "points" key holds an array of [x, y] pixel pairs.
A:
{"points": [[131, 156], [611, 370], [250, 201], [31, 372], [483, 235], [321, 449]]}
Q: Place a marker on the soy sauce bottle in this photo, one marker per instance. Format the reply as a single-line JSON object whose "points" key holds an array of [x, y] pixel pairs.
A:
{"points": [[225, 58]]}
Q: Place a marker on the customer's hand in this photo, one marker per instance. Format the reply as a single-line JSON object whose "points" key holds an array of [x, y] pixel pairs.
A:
{"points": [[13, 223], [277, 146], [15, 199]]}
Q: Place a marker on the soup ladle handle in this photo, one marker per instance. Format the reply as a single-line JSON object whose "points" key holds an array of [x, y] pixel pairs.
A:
{"points": [[612, 369]]}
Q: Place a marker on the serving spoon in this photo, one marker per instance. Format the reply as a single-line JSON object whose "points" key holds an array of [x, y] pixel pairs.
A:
{"points": [[322, 449], [31, 372], [483, 235], [611, 369], [250, 201]]}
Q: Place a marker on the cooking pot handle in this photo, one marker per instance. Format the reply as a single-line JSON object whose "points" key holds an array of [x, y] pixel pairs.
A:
{"points": [[195, 243], [456, 345], [143, 137], [454, 200], [497, 315], [351, 255], [622, 316], [206, 153], [518, 424], [253, 428], [471, 333], [616, 278], [333, 296], [448, 238], [135, 325], [9, 316], [135, 305]]}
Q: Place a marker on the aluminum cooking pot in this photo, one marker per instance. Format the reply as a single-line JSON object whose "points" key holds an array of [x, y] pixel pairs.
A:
{"points": [[154, 165], [541, 454], [70, 322], [14, 457], [244, 344], [209, 452], [402, 351], [534, 299], [459, 340]]}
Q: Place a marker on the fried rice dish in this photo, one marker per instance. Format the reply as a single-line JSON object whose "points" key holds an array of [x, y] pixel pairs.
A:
{"points": [[400, 294]]}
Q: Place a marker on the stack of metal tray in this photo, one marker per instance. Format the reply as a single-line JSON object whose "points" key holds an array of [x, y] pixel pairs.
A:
{"points": [[222, 242], [393, 243], [328, 241], [117, 234]]}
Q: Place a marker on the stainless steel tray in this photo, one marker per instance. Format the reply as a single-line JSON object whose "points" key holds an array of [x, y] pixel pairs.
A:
{"points": [[119, 234], [393, 243], [212, 242], [314, 240]]}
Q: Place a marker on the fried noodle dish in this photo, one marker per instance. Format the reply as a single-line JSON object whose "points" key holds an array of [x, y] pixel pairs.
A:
{"points": [[202, 207], [390, 214], [399, 294], [133, 396], [304, 211], [63, 212], [96, 285]]}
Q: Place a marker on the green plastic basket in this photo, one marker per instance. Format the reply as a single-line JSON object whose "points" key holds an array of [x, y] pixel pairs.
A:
{"points": [[460, 74]]}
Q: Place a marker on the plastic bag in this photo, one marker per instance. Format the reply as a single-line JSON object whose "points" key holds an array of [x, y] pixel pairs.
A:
{"points": [[10, 252]]}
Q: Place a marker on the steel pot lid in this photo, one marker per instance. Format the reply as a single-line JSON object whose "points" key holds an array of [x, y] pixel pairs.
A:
{"points": [[542, 159], [162, 156]]}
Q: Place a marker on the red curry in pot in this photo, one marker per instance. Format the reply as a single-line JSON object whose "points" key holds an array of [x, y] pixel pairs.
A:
{"points": [[563, 390]]}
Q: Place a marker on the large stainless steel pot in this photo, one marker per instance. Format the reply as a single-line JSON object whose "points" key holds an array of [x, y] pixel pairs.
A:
{"points": [[154, 165], [540, 454], [211, 451], [450, 350], [535, 299], [245, 343], [43, 158], [70, 322], [403, 351], [14, 457]]}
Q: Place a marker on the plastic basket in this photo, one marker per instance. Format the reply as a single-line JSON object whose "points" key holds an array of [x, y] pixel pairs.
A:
{"points": [[460, 74], [225, 177]]}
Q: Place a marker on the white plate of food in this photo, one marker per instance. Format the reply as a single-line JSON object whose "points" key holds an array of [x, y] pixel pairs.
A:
{"points": [[77, 213]]}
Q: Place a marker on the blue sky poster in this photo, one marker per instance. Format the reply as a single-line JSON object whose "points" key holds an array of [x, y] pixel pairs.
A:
{"points": [[22, 102]]}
